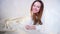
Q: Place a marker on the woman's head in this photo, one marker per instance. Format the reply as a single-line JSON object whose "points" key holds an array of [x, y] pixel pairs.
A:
{"points": [[37, 6], [37, 9]]}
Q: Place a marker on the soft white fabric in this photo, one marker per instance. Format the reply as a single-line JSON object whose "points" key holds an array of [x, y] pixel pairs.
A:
{"points": [[19, 28], [29, 21], [38, 27]]}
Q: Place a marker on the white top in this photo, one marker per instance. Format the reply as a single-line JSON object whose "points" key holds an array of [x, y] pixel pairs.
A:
{"points": [[28, 21], [18, 26]]}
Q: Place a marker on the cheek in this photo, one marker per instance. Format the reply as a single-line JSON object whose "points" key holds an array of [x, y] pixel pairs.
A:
{"points": [[35, 9]]}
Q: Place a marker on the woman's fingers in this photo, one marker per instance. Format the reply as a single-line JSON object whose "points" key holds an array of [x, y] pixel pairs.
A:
{"points": [[27, 27], [33, 27]]}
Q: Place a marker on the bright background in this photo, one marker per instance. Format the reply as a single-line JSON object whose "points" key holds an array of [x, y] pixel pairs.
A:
{"points": [[19, 8]]}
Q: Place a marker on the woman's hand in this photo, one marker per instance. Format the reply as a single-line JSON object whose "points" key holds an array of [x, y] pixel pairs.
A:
{"points": [[33, 27], [29, 27]]}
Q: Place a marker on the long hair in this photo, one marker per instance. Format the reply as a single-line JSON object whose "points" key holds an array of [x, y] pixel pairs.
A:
{"points": [[39, 14]]}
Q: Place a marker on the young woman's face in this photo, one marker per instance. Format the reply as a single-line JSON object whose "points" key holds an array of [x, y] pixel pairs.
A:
{"points": [[36, 7]]}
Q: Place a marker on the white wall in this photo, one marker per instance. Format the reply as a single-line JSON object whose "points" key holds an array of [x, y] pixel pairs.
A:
{"points": [[52, 16], [18, 8], [14, 8]]}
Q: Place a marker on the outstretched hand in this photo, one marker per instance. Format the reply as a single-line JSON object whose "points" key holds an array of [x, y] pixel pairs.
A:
{"points": [[29, 27]]}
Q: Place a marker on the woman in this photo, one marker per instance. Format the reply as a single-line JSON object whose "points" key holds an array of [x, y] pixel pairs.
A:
{"points": [[30, 24], [33, 23], [36, 13]]}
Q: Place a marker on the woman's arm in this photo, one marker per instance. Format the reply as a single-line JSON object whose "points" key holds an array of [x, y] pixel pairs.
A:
{"points": [[33, 27]]}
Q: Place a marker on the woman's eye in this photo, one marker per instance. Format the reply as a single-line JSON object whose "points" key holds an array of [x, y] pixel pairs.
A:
{"points": [[34, 5], [38, 7]]}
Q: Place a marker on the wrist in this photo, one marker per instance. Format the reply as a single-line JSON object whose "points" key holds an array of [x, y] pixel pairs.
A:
{"points": [[33, 27]]}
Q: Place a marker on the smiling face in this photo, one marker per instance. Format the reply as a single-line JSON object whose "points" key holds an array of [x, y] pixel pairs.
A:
{"points": [[36, 7], [36, 11]]}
